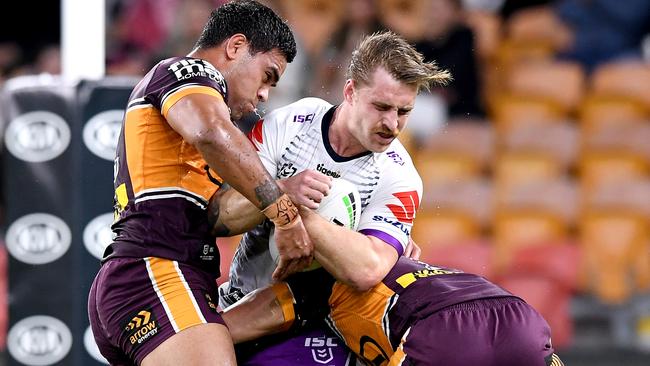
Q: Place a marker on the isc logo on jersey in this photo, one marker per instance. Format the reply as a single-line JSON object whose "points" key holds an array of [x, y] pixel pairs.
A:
{"points": [[185, 69]]}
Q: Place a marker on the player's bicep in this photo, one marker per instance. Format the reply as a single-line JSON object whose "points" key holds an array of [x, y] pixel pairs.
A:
{"points": [[389, 217], [195, 116]]}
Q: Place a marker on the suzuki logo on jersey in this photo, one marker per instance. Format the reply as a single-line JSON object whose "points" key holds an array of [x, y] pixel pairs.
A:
{"points": [[397, 224], [328, 172], [185, 69], [300, 118], [410, 201]]}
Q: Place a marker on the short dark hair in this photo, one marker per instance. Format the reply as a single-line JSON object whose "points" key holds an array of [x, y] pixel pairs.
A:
{"points": [[400, 59], [264, 29]]}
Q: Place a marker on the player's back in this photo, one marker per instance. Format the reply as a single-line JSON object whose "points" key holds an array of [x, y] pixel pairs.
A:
{"points": [[376, 320], [162, 183]]}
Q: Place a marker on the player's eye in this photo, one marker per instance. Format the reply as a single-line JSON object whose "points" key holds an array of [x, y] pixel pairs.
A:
{"points": [[382, 108], [403, 112]]}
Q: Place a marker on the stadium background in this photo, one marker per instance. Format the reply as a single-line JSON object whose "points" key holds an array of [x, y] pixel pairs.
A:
{"points": [[536, 160]]}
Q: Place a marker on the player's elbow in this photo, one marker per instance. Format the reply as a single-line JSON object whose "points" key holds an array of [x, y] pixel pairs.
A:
{"points": [[363, 279], [203, 137]]}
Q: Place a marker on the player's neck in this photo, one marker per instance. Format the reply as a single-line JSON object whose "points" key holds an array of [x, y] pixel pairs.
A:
{"points": [[341, 139], [210, 55]]}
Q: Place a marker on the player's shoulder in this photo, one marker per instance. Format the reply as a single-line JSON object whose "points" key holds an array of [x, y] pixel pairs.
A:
{"points": [[397, 168], [302, 110], [397, 158], [175, 73], [297, 115]]}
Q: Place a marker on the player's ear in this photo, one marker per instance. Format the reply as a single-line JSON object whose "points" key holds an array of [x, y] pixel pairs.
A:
{"points": [[236, 44], [348, 90]]}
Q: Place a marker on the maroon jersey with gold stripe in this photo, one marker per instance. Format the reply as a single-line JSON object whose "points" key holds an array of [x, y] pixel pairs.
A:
{"points": [[372, 323], [162, 183]]}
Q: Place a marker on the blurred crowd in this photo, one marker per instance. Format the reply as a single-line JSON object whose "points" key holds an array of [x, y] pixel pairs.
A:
{"points": [[547, 65], [460, 35]]}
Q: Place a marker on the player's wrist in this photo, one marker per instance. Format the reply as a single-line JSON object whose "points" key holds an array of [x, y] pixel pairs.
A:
{"points": [[283, 213]]}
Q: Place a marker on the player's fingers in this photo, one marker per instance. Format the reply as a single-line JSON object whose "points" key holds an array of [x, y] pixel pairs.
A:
{"points": [[280, 271], [415, 252], [321, 187], [407, 251], [320, 177], [312, 204]]}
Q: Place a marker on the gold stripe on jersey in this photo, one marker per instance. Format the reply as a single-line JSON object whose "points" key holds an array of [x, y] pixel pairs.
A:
{"points": [[174, 293], [174, 97], [121, 196], [361, 319], [158, 157], [555, 361], [399, 356]]}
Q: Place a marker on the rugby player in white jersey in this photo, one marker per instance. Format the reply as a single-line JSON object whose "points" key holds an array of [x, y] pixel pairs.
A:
{"points": [[311, 140]]}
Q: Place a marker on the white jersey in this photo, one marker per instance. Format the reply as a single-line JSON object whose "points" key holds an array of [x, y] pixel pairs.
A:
{"points": [[295, 138]]}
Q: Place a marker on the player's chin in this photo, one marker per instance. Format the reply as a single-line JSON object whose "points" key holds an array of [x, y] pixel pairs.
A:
{"points": [[380, 147], [238, 113]]}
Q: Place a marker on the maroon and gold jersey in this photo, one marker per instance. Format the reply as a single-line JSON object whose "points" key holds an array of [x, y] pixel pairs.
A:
{"points": [[372, 323], [162, 183]]}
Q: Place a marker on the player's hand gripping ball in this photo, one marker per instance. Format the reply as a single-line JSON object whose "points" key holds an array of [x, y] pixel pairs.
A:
{"points": [[341, 206]]}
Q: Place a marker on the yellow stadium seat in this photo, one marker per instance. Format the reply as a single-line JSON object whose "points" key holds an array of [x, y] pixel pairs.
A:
{"points": [[617, 254], [558, 197], [537, 25], [473, 257], [518, 168], [629, 79], [560, 141], [511, 53], [518, 228], [472, 198], [512, 111], [601, 168], [441, 167], [474, 140], [444, 227], [562, 82], [602, 112]]}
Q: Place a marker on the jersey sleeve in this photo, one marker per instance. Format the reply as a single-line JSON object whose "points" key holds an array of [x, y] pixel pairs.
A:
{"points": [[179, 77], [390, 213], [268, 137], [276, 131]]}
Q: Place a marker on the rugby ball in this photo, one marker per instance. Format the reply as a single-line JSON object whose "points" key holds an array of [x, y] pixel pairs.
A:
{"points": [[341, 206]]}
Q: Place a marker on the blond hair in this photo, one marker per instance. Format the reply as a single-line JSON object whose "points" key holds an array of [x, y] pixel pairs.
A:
{"points": [[398, 57]]}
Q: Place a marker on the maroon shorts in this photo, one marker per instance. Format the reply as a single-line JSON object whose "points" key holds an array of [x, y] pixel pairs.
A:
{"points": [[137, 303], [489, 332]]}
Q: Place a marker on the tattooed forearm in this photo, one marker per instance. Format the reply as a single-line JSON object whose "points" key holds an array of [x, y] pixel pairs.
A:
{"points": [[267, 193], [230, 213]]}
